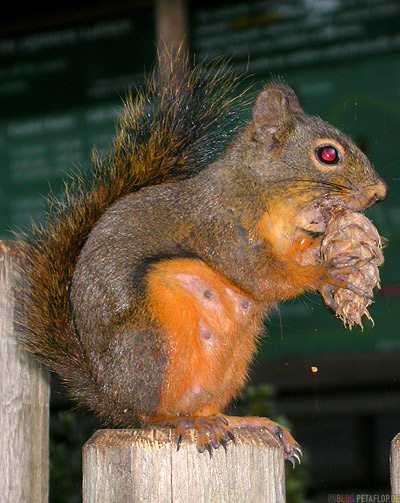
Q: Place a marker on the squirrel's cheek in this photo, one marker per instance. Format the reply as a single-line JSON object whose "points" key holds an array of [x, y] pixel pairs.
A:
{"points": [[279, 226]]}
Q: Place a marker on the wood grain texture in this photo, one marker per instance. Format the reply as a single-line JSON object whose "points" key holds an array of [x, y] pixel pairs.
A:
{"points": [[395, 465], [139, 466], [24, 409], [171, 27], [171, 24]]}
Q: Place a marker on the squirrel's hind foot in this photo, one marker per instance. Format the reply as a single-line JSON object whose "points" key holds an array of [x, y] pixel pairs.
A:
{"points": [[292, 450], [213, 431]]}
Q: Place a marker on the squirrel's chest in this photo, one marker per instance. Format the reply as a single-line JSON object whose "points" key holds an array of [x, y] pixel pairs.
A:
{"points": [[210, 329]]}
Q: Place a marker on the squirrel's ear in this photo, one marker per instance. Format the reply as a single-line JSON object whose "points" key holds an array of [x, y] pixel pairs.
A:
{"points": [[274, 110]]}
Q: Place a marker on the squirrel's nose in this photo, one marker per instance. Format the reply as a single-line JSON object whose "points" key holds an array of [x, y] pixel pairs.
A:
{"points": [[381, 190], [376, 192]]}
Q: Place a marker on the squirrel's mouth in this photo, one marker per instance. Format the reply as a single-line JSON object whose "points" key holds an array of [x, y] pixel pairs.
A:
{"points": [[314, 216], [314, 219], [358, 198]]}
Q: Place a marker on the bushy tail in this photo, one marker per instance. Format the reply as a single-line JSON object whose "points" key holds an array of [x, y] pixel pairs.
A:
{"points": [[172, 129]]}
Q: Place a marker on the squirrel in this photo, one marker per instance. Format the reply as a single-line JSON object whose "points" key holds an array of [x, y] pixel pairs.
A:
{"points": [[145, 288]]}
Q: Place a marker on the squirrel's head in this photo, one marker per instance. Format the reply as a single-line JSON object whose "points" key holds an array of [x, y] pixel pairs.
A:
{"points": [[306, 156]]}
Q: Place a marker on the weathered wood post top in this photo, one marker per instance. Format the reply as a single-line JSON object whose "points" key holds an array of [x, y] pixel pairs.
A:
{"points": [[145, 466]]}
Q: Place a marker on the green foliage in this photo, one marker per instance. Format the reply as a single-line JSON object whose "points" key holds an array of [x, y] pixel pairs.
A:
{"points": [[68, 433]]}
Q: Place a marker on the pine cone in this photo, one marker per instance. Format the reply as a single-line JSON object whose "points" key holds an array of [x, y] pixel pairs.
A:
{"points": [[352, 243]]}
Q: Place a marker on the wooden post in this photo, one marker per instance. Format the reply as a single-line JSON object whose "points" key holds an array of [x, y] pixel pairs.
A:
{"points": [[24, 410], [395, 465], [143, 466], [171, 23], [171, 32]]}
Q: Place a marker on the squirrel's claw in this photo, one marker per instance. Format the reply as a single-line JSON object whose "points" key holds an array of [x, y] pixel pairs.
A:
{"points": [[178, 441], [298, 449], [212, 431], [291, 448], [208, 447], [295, 455]]}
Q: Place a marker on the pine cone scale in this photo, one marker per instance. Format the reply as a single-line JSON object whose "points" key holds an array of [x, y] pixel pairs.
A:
{"points": [[353, 245]]}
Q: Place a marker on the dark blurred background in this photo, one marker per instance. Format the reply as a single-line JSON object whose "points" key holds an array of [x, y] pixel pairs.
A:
{"points": [[64, 70]]}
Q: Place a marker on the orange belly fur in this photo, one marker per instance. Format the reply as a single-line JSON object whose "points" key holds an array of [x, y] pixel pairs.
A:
{"points": [[210, 328]]}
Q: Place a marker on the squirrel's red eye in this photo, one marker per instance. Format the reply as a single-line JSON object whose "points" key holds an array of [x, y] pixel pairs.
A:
{"points": [[327, 154]]}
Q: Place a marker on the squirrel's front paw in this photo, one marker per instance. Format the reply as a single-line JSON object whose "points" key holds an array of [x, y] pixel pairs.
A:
{"points": [[339, 272]]}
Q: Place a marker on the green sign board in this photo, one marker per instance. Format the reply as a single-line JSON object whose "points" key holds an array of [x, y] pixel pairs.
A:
{"points": [[343, 60], [60, 94], [61, 91]]}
